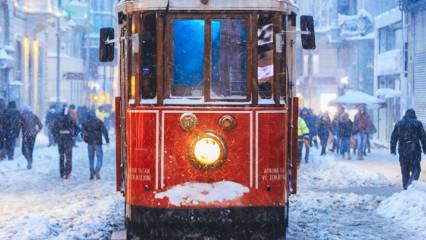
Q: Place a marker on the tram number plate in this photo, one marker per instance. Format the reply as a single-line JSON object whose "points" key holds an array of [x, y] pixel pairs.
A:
{"points": [[139, 174], [273, 174]]}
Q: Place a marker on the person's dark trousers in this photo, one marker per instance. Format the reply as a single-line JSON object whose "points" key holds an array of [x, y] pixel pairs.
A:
{"points": [[410, 169], [323, 148], [300, 144], [92, 151], [65, 159], [307, 150], [10, 147], [28, 148]]}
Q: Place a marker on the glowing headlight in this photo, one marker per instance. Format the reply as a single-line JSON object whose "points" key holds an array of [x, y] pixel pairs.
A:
{"points": [[207, 151]]}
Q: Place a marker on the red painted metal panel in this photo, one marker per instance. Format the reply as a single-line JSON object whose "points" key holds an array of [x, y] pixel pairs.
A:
{"points": [[177, 166], [141, 163], [272, 157], [149, 136]]}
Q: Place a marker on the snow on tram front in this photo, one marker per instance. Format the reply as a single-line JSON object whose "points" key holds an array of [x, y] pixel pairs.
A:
{"points": [[206, 123]]}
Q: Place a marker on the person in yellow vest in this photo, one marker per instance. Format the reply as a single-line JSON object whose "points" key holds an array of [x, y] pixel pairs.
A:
{"points": [[101, 114], [303, 137]]}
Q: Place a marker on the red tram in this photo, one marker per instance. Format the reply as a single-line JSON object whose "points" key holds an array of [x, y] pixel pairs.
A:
{"points": [[206, 121]]}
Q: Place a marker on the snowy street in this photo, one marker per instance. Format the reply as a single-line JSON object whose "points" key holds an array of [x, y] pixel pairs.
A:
{"points": [[38, 204], [337, 199], [352, 199]]}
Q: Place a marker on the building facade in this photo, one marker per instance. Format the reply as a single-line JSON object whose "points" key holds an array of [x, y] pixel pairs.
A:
{"points": [[414, 19], [346, 40], [389, 77]]}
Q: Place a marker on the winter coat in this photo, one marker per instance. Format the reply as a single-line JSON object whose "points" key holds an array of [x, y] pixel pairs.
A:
{"points": [[64, 130], [12, 123], [310, 121], [302, 129], [50, 118], [409, 133], [93, 129], [362, 123], [324, 128], [345, 128], [31, 124]]}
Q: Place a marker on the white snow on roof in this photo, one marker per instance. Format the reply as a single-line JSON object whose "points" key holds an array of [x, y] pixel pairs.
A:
{"points": [[194, 193], [407, 207]]}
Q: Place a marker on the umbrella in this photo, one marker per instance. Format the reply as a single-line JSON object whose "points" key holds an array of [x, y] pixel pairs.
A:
{"points": [[354, 99]]}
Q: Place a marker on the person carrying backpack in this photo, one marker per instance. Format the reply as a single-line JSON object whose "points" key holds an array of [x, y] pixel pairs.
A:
{"points": [[93, 129], [64, 130]]}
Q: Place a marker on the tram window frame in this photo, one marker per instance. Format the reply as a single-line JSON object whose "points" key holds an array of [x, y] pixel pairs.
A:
{"points": [[148, 53], [205, 98]]}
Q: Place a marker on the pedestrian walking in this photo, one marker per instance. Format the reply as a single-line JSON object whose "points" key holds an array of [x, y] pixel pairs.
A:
{"points": [[362, 126], [31, 126], [409, 134], [303, 137], [51, 116], [345, 134], [324, 130], [12, 127], [64, 130], [310, 121], [73, 114], [93, 130], [335, 129]]}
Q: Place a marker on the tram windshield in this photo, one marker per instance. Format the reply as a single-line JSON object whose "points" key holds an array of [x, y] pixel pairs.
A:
{"points": [[226, 60], [208, 58]]}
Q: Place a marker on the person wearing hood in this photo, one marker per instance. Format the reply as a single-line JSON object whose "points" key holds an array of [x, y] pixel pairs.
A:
{"points": [[409, 134], [93, 129], [31, 126], [12, 127], [64, 130]]}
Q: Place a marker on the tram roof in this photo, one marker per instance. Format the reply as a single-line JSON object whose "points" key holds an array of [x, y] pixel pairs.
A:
{"points": [[286, 6]]}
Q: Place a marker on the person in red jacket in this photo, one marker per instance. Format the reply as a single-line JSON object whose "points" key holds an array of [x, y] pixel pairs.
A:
{"points": [[362, 126]]}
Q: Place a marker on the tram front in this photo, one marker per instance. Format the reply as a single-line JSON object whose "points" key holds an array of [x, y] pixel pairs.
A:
{"points": [[204, 125]]}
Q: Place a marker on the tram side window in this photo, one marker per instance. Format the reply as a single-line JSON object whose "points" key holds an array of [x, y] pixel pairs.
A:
{"points": [[149, 57], [229, 51], [265, 69], [187, 67]]}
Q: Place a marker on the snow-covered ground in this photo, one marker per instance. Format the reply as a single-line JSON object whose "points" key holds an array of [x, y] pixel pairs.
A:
{"points": [[337, 199], [352, 199], [38, 204]]}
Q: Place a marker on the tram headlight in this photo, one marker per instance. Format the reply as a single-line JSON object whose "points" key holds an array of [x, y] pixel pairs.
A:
{"points": [[207, 151]]}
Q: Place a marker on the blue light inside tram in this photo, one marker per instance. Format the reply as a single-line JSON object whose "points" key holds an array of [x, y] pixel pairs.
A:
{"points": [[188, 52]]}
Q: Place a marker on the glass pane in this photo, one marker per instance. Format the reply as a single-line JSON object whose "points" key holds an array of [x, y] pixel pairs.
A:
{"points": [[229, 52], [265, 70], [188, 58], [149, 57]]}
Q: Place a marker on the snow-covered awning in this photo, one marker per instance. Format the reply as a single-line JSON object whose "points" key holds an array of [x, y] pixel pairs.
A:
{"points": [[6, 60], [354, 99], [387, 93], [4, 56]]}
